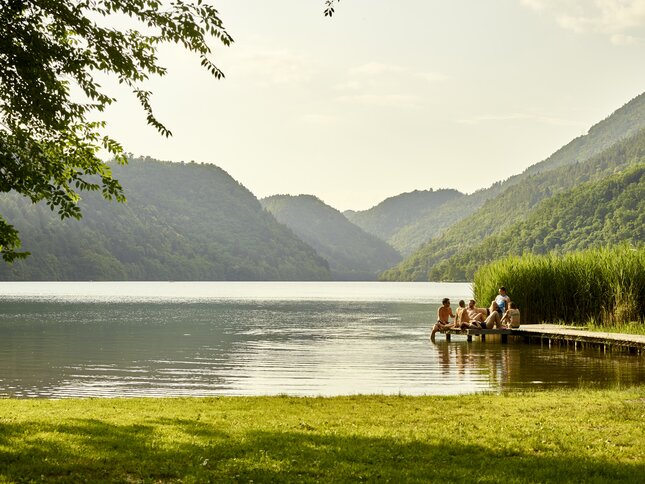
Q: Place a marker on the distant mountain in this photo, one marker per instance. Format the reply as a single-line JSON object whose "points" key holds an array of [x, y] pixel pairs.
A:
{"points": [[463, 247], [609, 211], [434, 222], [181, 222], [352, 253], [394, 213], [622, 124]]}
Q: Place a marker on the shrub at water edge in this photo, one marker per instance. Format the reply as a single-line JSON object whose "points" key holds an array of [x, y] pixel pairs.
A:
{"points": [[605, 285]]}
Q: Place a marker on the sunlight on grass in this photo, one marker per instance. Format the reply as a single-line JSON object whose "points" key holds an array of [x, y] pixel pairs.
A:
{"points": [[584, 435], [624, 328]]}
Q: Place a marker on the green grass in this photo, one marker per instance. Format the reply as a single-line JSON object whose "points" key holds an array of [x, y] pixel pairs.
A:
{"points": [[605, 286], [622, 328], [585, 435]]}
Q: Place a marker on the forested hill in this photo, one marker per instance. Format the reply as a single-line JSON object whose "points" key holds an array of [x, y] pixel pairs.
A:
{"points": [[599, 213], [352, 253], [181, 222], [394, 213], [623, 123], [463, 247]]}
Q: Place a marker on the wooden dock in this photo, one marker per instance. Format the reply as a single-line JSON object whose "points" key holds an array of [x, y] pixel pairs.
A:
{"points": [[553, 334], [469, 333]]}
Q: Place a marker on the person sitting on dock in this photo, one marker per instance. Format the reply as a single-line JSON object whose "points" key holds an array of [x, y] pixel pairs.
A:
{"points": [[444, 313], [475, 315], [511, 317], [462, 317], [502, 300], [468, 317], [494, 319]]}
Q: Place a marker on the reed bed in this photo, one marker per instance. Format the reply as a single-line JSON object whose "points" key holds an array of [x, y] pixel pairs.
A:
{"points": [[604, 286]]}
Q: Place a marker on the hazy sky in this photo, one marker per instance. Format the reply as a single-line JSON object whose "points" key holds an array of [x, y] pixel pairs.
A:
{"points": [[391, 96]]}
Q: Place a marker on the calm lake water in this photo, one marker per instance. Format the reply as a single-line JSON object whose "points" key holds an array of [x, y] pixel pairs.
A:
{"points": [[242, 338]]}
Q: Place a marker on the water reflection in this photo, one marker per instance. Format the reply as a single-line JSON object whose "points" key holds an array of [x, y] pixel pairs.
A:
{"points": [[106, 349], [517, 365]]}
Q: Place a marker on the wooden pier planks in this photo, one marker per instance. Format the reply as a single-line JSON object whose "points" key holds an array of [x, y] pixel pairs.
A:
{"points": [[557, 333], [551, 333]]}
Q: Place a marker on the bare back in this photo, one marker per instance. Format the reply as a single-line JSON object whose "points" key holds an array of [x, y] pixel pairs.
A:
{"points": [[461, 313]]}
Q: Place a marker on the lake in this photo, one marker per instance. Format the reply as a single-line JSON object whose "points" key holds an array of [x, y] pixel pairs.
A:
{"points": [[118, 339]]}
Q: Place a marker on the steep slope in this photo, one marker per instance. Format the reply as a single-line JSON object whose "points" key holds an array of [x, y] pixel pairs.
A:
{"points": [[181, 222], [623, 123], [598, 213], [433, 223], [351, 252], [513, 205], [394, 213]]}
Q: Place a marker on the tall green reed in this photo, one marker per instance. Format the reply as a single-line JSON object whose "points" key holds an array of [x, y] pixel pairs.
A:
{"points": [[604, 285]]}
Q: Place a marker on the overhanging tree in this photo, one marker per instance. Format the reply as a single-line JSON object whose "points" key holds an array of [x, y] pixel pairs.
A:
{"points": [[329, 7], [49, 149]]}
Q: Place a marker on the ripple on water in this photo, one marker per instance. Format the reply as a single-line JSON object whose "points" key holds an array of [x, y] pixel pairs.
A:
{"points": [[54, 349]]}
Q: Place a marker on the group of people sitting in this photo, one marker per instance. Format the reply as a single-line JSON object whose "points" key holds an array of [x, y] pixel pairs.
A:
{"points": [[502, 314]]}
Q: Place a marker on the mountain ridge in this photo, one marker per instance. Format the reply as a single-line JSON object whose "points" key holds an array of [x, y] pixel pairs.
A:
{"points": [[393, 213], [351, 252], [181, 222], [571, 220], [512, 207], [619, 125]]}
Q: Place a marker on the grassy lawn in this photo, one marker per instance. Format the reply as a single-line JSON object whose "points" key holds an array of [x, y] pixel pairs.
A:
{"points": [[584, 435], [625, 328]]}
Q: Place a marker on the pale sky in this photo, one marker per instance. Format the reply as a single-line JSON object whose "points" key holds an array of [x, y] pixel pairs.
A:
{"points": [[391, 96]]}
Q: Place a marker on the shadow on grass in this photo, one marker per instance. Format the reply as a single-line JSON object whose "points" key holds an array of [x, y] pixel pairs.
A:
{"points": [[178, 449]]}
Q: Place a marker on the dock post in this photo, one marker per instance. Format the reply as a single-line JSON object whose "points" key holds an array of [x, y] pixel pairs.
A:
{"points": [[483, 338], [469, 338], [447, 336], [504, 338]]}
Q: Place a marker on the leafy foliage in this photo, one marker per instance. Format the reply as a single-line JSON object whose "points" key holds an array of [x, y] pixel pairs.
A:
{"points": [[52, 50], [329, 7], [515, 202], [181, 222], [351, 252]]}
